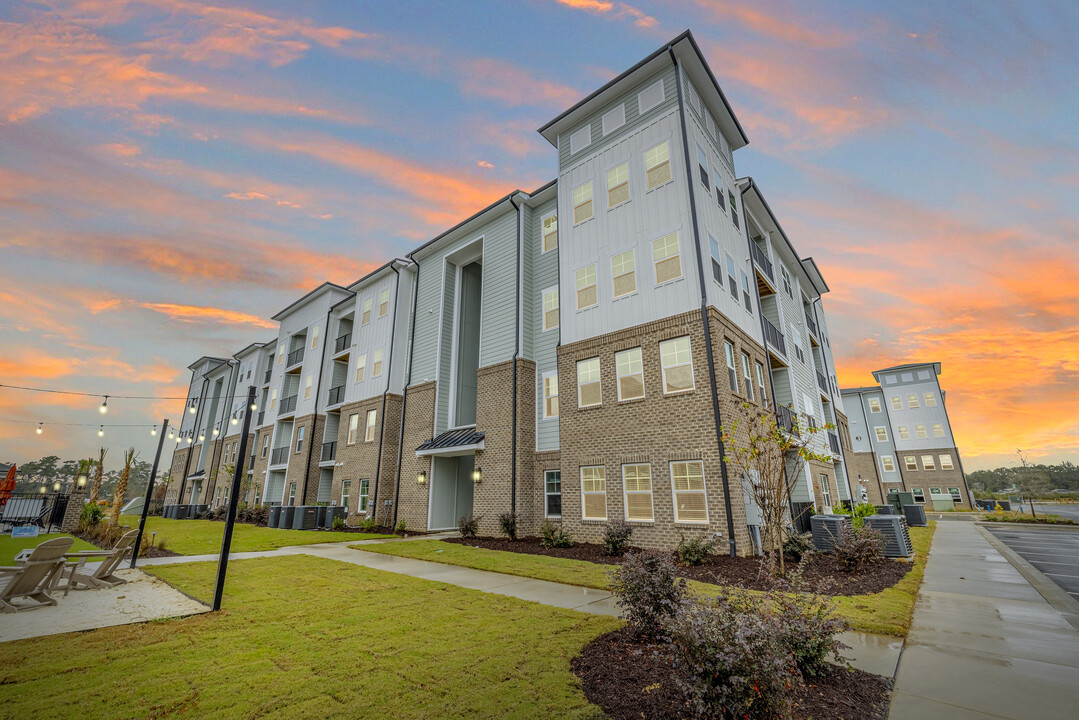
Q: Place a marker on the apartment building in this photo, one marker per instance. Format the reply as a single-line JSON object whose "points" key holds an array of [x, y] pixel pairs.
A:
{"points": [[902, 437], [568, 354]]}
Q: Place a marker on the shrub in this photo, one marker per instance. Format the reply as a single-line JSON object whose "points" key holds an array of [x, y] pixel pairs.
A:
{"points": [[858, 546], [729, 658], [257, 515], [400, 527], [90, 516], [508, 523], [338, 523], [858, 514], [368, 525], [648, 590], [799, 545], [468, 526], [809, 626], [695, 551], [219, 512], [553, 536], [161, 544], [616, 537]]}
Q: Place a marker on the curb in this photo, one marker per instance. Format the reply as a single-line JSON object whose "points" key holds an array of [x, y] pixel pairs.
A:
{"points": [[1028, 526]]}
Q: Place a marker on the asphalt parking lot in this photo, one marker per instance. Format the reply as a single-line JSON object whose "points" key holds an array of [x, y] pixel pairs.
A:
{"points": [[1054, 552]]}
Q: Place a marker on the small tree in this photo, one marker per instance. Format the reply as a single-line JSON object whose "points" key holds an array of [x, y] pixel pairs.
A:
{"points": [[121, 486], [95, 486], [771, 458], [1030, 481]]}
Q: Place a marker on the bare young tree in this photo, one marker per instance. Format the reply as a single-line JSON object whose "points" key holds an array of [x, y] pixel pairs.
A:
{"points": [[771, 458], [121, 486], [99, 465], [1030, 481]]}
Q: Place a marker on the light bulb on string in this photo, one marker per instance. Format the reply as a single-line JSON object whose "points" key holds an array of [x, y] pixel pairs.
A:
{"points": [[104, 406], [201, 437], [40, 428], [233, 421], [101, 431], [216, 431], [153, 431], [191, 409], [171, 434]]}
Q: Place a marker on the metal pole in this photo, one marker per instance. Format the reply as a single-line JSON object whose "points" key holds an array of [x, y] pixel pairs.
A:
{"points": [[234, 497], [149, 491]]}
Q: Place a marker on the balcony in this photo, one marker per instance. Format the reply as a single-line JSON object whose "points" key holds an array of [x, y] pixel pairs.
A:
{"points": [[785, 418], [773, 337], [833, 442], [329, 451], [295, 357], [336, 396], [762, 261], [342, 343], [279, 456], [822, 382], [810, 324], [266, 377], [288, 405]]}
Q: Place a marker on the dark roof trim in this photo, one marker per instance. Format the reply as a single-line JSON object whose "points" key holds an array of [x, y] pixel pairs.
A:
{"points": [[318, 289], [859, 390], [543, 187], [908, 366], [462, 224], [243, 350], [370, 275], [453, 438], [748, 183], [217, 360]]}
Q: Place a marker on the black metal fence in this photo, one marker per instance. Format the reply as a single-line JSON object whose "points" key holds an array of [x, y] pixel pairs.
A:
{"points": [[46, 510]]}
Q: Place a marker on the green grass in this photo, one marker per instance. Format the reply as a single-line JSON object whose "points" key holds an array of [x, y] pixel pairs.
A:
{"points": [[888, 612], [309, 637], [202, 537], [9, 547]]}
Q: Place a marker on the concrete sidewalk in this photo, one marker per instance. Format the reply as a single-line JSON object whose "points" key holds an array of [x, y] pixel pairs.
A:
{"points": [[984, 643]]}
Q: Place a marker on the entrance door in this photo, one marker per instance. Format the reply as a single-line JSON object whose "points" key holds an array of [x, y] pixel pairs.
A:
{"points": [[451, 491]]}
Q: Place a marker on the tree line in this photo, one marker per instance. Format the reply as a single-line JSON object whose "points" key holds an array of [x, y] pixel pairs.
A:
{"points": [[1062, 476], [29, 477]]}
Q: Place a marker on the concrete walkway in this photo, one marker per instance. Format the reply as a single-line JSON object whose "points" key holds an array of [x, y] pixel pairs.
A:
{"points": [[984, 643]]}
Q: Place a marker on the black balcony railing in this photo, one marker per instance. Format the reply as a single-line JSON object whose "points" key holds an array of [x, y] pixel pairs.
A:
{"points": [[337, 395], [342, 342], [773, 337], [329, 451], [822, 382], [833, 441], [266, 377], [279, 456], [288, 405], [810, 324], [294, 357], [761, 258], [785, 418]]}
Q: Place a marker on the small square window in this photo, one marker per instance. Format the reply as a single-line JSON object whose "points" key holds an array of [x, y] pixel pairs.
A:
{"points": [[946, 462], [956, 495], [887, 464], [919, 495]]}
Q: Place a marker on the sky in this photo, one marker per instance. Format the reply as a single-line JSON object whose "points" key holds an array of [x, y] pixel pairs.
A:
{"points": [[172, 173]]}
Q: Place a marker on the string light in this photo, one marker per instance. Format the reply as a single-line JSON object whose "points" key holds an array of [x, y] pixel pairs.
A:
{"points": [[216, 432], [40, 428], [191, 409], [254, 407], [104, 406], [201, 437], [153, 431], [234, 421], [101, 431], [172, 435], [90, 394]]}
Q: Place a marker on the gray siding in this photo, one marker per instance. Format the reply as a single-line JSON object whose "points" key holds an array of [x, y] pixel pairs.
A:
{"points": [[445, 346], [544, 345]]}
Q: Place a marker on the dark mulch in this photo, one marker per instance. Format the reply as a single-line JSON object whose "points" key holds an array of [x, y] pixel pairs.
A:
{"points": [[153, 552], [822, 574], [632, 680]]}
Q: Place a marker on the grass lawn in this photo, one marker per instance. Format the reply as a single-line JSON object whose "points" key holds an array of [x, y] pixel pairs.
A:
{"points": [[9, 548], [202, 537], [887, 612], [309, 637]]}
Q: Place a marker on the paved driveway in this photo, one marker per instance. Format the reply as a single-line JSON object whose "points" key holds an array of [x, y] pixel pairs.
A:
{"points": [[1054, 552]]}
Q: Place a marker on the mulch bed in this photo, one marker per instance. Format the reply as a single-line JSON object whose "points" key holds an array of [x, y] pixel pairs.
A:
{"points": [[632, 680], [153, 552], [822, 574]]}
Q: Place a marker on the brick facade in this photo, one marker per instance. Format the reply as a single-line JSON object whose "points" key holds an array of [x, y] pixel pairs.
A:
{"points": [[863, 470], [360, 460], [817, 470], [419, 423], [261, 463]]}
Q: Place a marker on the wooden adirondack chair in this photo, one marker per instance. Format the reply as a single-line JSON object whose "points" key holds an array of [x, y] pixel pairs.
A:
{"points": [[103, 576], [35, 577]]}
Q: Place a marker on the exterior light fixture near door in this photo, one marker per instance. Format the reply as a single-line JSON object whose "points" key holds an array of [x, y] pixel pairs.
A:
{"points": [[477, 474], [421, 477]]}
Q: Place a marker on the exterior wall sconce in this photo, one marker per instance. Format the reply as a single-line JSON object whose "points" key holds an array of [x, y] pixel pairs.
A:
{"points": [[477, 475], [421, 477]]}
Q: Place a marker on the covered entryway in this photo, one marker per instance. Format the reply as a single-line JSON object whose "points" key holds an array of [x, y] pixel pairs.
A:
{"points": [[451, 491]]}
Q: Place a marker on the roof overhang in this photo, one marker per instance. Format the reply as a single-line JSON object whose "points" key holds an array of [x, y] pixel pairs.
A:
{"points": [[452, 443], [906, 366], [215, 361], [810, 266], [324, 288], [465, 225]]}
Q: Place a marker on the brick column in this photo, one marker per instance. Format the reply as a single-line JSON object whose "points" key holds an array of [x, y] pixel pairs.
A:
{"points": [[75, 503]]}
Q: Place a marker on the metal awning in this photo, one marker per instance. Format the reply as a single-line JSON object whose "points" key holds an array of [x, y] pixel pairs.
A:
{"points": [[461, 441]]}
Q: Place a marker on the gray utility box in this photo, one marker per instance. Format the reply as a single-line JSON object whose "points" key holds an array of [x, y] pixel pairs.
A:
{"points": [[900, 499], [194, 510], [287, 513], [305, 517], [828, 530], [180, 511], [275, 516], [896, 535], [168, 512], [886, 510], [915, 515], [337, 511]]}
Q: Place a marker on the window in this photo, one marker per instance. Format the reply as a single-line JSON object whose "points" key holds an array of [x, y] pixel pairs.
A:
{"points": [[280, 353], [657, 165], [934, 491], [745, 292], [618, 185], [353, 426], [307, 386], [687, 483], [938, 430], [919, 495], [365, 488], [292, 494], [637, 491], [383, 308], [930, 399], [550, 232], [650, 97], [731, 282], [911, 462], [702, 166], [677, 361], [919, 431], [299, 438], [265, 444], [912, 402], [760, 382], [346, 489], [732, 374], [314, 336], [904, 433], [582, 203], [825, 492], [552, 489], [580, 140], [366, 312], [719, 194], [589, 390], [946, 462], [928, 462], [376, 363], [667, 260], [258, 495], [361, 367], [593, 493], [874, 405], [889, 379], [629, 366], [613, 119], [550, 396], [897, 402], [956, 495], [882, 434], [550, 308], [748, 378], [717, 266], [623, 275], [369, 431], [786, 281], [586, 287], [887, 464], [734, 208], [273, 398]]}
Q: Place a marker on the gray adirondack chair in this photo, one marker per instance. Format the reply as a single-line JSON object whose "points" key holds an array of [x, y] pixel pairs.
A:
{"points": [[35, 577], [102, 576]]}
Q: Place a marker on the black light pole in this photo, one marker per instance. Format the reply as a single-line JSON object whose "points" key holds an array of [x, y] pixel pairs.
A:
{"points": [[234, 497], [149, 491]]}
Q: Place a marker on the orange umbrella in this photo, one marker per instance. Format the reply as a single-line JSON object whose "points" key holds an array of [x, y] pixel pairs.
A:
{"points": [[8, 486]]}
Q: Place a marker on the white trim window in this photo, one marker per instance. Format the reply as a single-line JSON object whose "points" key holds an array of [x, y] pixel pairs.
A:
{"points": [[717, 264], [887, 464], [676, 357], [376, 364], [292, 494], [366, 317], [265, 444], [934, 491], [550, 395], [314, 338], [826, 492], [904, 433], [280, 353], [702, 166], [629, 367], [623, 274], [897, 402], [552, 493], [910, 462], [353, 428], [346, 490], [307, 383], [372, 422], [657, 165], [760, 382], [874, 405], [593, 493], [734, 208], [912, 402], [929, 462], [618, 185], [589, 385], [549, 231], [919, 432], [383, 309], [550, 308], [930, 400], [882, 434], [732, 373], [587, 295], [365, 490], [938, 430], [299, 438], [273, 398], [732, 282], [956, 495], [687, 487], [747, 376], [946, 462], [746, 300], [919, 494], [666, 258], [637, 492], [361, 367], [582, 203]]}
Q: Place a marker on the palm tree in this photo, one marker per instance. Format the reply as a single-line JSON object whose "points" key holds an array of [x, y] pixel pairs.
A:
{"points": [[121, 486], [95, 486]]}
